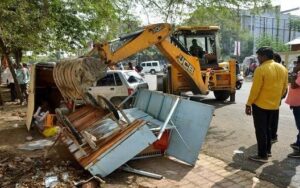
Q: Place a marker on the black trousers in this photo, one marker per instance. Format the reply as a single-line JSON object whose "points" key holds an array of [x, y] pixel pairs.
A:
{"points": [[262, 122], [13, 92], [274, 126]]}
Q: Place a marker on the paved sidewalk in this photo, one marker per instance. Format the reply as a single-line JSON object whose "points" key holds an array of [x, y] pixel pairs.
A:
{"points": [[208, 172]]}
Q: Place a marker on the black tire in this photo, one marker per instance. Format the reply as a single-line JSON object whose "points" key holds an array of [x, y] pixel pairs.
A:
{"points": [[238, 85], [152, 71], [221, 95]]}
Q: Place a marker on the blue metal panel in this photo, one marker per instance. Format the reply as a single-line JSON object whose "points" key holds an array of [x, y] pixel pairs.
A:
{"points": [[142, 100], [155, 104], [167, 105], [123, 151], [134, 113], [192, 120]]}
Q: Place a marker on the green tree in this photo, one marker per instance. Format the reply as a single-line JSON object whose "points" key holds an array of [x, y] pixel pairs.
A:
{"points": [[174, 11], [267, 40], [20, 25], [45, 25]]}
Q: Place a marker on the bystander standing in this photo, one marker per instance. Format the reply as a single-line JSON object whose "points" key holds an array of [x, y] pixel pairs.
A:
{"points": [[22, 78], [293, 99], [130, 66], [11, 83], [269, 85], [274, 124], [27, 78]]}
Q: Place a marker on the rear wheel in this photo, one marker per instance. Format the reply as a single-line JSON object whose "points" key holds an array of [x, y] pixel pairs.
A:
{"points": [[152, 71], [222, 95]]}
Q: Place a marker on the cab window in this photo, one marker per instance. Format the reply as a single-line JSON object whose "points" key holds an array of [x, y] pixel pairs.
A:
{"points": [[148, 64], [154, 64]]}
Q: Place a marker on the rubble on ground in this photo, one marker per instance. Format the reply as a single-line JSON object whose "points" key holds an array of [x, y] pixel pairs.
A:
{"points": [[22, 171]]}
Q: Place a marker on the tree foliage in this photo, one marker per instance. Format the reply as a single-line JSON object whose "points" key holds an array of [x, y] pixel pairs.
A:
{"points": [[45, 25], [53, 25], [21, 23], [295, 24], [174, 11], [267, 40]]}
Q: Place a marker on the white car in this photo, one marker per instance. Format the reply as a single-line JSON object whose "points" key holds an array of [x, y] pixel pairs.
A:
{"points": [[151, 66], [117, 85]]}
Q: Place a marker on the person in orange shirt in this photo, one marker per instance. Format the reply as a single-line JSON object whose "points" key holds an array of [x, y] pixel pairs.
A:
{"points": [[293, 99], [269, 85]]}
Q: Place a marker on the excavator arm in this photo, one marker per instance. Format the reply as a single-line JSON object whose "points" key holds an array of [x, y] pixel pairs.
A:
{"points": [[158, 34], [74, 77]]}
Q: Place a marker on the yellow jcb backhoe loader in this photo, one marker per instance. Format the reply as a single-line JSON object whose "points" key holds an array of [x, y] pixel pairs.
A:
{"points": [[186, 72]]}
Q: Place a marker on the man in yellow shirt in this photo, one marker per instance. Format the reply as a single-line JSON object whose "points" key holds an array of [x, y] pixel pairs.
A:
{"points": [[270, 82]]}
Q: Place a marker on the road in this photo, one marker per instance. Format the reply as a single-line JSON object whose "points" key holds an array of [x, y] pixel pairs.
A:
{"points": [[231, 138]]}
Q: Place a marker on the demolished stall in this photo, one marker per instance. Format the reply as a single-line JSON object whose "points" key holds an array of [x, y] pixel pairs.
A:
{"points": [[105, 144], [103, 137]]}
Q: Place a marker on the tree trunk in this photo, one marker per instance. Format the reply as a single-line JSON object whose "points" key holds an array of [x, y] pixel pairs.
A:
{"points": [[5, 52], [13, 73], [2, 66], [18, 55], [1, 100]]}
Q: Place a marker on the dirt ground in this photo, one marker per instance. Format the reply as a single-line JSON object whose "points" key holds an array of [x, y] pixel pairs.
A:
{"points": [[22, 168], [29, 169]]}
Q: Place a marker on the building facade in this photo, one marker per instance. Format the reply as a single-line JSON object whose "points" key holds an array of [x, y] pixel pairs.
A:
{"points": [[272, 23]]}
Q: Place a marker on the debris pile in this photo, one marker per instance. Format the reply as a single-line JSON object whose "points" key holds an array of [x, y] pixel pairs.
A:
{"points": [[38, 172]]}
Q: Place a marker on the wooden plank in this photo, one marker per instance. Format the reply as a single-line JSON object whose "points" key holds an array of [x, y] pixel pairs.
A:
{"points": [[94, 155], [90, 184], [80, 112], [88, 120]]}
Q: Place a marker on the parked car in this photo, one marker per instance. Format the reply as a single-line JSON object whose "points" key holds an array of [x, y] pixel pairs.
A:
{"points": [[151, 66], [117, 85]]}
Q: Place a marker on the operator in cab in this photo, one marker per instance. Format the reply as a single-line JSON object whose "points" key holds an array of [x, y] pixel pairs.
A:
{"points": [[196, 50]]}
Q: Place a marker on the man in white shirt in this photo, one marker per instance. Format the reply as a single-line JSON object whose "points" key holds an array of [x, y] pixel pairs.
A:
{"points": [[11, 84]]}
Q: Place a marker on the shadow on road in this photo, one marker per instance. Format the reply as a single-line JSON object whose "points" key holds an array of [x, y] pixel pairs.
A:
{"points": [[281, 173], [284, 172], [241, 163], [216, 103]]}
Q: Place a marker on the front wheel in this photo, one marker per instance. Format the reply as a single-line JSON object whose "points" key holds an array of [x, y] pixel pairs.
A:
{"points": [[221, 95], [238, 85]]}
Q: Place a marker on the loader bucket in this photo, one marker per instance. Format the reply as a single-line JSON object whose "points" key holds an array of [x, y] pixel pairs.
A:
{"points": [[73, 77]]}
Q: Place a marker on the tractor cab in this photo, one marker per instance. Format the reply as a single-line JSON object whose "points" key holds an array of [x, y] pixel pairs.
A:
{"points": [[201, 42]]}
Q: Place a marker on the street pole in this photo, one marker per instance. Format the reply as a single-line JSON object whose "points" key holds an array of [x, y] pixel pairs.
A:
{"points": [[253, 32]]}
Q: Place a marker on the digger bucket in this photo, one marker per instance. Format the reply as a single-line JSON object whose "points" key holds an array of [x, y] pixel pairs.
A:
{"points": [[74, 77]]}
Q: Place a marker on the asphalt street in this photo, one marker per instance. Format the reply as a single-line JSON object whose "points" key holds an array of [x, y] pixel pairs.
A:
{"points": [[231, 138]]}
